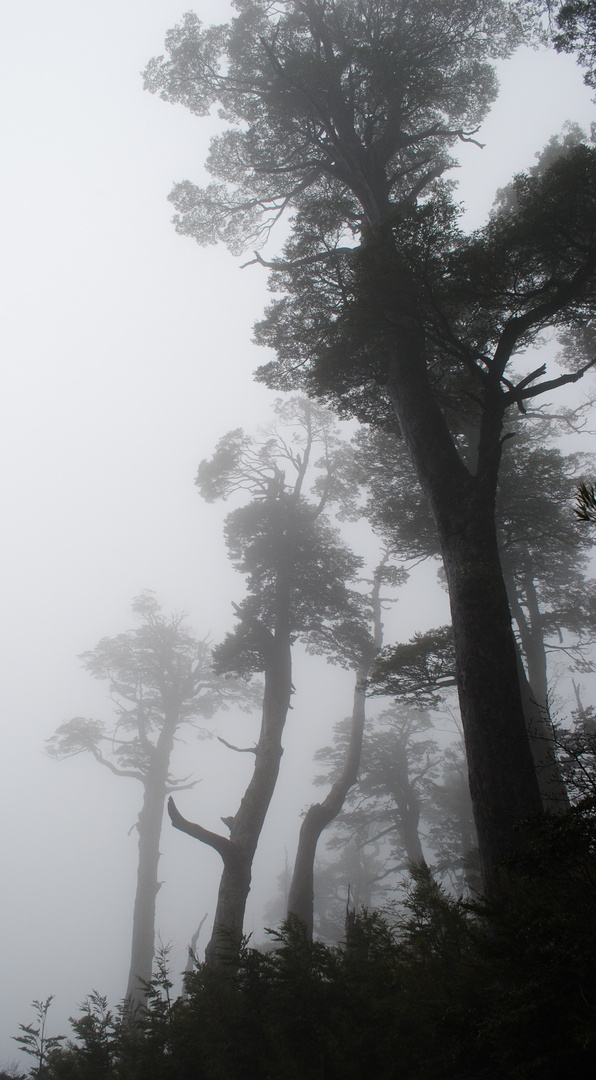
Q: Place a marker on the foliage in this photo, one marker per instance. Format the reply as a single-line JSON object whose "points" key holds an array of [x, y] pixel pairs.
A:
{"points": [[36, 1042], [296, 566], [160, 678], [479, 297], [438, 989], [292, 80], [411, 804], [576, 749], [577, 33], [418, 670], [585, 508]]}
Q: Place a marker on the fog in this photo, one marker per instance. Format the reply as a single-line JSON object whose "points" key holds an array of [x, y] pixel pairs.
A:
{"points": [[126, 354]]}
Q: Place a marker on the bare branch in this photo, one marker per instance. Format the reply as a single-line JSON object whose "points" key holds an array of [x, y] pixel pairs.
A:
{"points": [[522, 391], [239, 749], [214, 840]]}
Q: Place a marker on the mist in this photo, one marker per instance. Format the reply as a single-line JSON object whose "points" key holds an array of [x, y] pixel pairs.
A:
{"points": [[127, 354]]}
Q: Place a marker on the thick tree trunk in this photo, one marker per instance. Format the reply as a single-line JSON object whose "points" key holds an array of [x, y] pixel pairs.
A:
{"points": [[238, 851], [503, 783], [320, 815], [245, 830]]}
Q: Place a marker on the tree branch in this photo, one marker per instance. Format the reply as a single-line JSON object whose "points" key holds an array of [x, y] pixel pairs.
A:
{"points": [[239, 749], [114, 768], [214, 840], [522, 391]]}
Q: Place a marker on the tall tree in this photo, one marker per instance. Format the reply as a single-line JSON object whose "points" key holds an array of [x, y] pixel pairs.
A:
{"points": [[297, 572], [161, 679], [344, 112]]}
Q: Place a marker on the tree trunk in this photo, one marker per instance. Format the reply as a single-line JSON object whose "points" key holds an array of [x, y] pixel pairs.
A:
{"points": [[503, 783], [149, 826], [407, 819], [320, 815], [238, 850], [245, 830], [534, 689]]}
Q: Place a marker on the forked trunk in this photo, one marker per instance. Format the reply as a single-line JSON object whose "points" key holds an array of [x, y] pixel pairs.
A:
{"points": [[238, 850], [245, 830]]}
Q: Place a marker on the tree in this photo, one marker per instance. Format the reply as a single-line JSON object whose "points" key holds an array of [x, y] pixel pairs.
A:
{"points": [[344, 112], [320, 815], [545, 558], [297, 572], [36, 1042], [161, 679], [576, 22]]}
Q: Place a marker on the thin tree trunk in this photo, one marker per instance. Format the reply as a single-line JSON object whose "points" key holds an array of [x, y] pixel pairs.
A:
{"points": [[149, 827], [320, 815], [407, 819], [534, 689], [248, 822]]}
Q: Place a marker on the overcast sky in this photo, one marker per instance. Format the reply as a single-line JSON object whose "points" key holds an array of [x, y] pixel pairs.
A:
{"points": [[125, 355]]}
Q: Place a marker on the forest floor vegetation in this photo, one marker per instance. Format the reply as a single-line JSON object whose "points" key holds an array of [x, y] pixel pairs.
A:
{"points": [[437, 988]]}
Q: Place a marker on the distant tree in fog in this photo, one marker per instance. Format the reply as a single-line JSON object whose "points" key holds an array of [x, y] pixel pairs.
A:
{"points": [[161, 679], [319, 815], [297, 573]]}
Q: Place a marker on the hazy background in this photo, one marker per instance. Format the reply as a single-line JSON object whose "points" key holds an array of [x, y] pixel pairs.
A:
{"points": [[125, 355]]}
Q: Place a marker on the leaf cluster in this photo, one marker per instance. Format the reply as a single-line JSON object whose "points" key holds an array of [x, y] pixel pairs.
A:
{"points": [[160, 678], [358, 95]]}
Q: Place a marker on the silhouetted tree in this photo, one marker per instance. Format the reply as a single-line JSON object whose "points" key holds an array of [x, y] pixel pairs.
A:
{"points": [[161, 679], [320, 815], [344, 113], [297, 571]]}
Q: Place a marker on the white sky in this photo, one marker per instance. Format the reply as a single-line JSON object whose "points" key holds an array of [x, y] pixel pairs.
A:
{"points": [[125, 355]]}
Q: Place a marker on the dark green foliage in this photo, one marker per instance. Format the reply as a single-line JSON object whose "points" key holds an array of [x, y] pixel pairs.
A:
{"points": [[435, 991], [297, 568], [401, 81], [585, 507], [577, 23], [417, 670]]}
